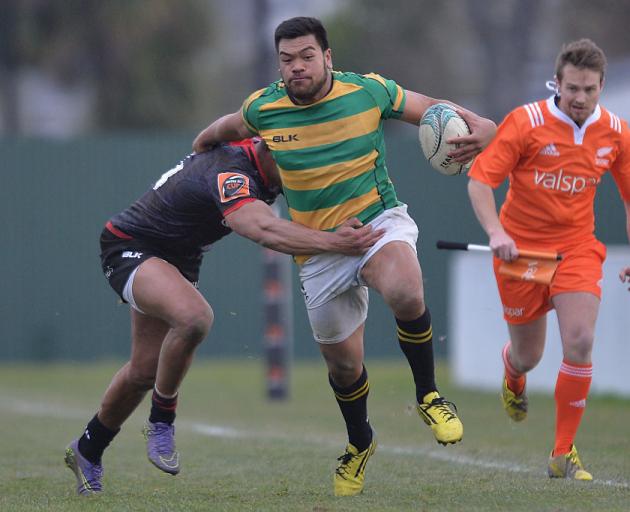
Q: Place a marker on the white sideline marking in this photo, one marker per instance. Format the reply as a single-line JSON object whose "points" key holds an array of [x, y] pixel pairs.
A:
{"points": [[40, 409], [214, 430], [50, 410], [457, 458]]}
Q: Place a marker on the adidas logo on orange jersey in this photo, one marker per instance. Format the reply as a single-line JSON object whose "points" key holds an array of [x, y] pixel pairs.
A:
{"points": [[550, 150]]}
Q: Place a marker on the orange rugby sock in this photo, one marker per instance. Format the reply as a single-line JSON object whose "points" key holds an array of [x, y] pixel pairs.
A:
{"points": [[515, 379], [574, 381]]}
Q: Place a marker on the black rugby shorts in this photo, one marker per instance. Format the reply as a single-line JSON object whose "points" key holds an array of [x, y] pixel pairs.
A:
{"points": [[120, 256]]}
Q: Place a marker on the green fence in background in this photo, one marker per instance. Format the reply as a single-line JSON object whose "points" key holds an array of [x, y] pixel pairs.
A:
{"points": [[56, 196]]}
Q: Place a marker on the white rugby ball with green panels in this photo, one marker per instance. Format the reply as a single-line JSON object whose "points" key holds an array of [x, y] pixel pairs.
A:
{"points": [[440, 123]]}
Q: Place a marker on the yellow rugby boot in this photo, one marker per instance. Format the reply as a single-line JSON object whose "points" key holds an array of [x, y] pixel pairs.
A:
{"points": [[515, 405], [441, 416], [567, 465], [350, 473]]}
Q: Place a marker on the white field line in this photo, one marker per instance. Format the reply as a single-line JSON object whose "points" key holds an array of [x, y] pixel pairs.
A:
{"points": [[50, 410]]}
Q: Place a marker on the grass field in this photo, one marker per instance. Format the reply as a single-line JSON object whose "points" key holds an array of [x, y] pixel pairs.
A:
{"points": [[241, 453]]}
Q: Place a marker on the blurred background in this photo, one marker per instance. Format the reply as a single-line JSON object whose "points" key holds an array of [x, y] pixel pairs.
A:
{"points": [[98, 99]]}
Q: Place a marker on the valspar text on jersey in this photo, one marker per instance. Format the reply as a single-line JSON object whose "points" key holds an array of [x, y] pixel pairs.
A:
{"points": [[563, 182]]}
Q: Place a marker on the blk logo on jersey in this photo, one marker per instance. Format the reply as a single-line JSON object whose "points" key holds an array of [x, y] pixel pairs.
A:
{"points": [[292, 137], [232, 185]]}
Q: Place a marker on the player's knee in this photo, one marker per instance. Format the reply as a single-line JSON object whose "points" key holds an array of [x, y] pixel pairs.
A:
{"points": [[195, 324], [407, 304], [526, 362], [345, 372], [141, 379], [579, 346]]}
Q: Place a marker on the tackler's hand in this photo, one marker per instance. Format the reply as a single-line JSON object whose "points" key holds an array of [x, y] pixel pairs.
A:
{"points": [[353, 238]]}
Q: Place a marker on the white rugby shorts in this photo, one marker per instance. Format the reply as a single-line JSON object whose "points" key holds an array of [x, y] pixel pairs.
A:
{"points": [[336, 296]]}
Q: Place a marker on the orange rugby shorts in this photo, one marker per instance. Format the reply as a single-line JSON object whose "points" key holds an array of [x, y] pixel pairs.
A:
{"points": [[579, 271]]}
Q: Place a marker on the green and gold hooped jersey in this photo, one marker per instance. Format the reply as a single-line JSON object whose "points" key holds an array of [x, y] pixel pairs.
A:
{"points": [[331, 154]]}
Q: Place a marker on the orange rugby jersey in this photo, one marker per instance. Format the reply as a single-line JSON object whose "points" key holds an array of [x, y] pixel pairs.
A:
{"points": [[554, 168]]}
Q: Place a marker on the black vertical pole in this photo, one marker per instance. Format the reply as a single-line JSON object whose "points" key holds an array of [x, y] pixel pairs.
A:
{"points": [[278, 333], [278, 303]]}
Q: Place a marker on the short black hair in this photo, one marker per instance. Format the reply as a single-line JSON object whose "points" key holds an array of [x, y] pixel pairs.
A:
{"points": [[302, 26]]}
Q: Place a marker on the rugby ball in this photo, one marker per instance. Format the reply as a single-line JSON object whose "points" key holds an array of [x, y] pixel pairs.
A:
{"points": [[439, 124]]}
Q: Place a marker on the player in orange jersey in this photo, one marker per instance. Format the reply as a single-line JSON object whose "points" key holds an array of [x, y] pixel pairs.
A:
{"points": [[554, 153]]}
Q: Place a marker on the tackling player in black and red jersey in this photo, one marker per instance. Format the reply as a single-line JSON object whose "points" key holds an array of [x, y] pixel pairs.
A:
{"points": [[151, 255]]}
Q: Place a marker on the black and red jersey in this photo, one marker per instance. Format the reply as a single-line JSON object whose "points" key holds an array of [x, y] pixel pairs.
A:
{"points": [[185, 208]]}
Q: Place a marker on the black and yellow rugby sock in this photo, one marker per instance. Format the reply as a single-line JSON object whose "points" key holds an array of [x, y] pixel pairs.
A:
{"points": [[95, 439], [353, 405], [416, 341]]}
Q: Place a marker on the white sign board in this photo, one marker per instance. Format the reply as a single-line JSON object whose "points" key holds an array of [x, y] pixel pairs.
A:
{"points": [[478, 331]]}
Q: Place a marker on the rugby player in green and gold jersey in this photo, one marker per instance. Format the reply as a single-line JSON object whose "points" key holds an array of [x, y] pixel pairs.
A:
{"points": [[325, 131]]}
